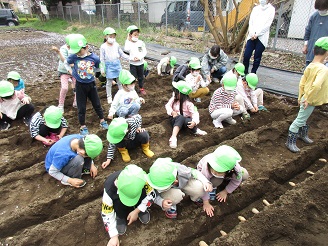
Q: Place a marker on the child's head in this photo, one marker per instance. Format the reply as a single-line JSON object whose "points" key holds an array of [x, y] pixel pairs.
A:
{"points": [[127, 80], [67, 39], [251, 80], [195, 66], [110, 35], [322, 7], [52, 117], [13, 77], [162, 174], [90, 146], [117, 130], [239, 69], [181, 89], [229, 83], [133, 33], [223, 160], [130, 183], [173, 61], [321, 47], [6, 89], [214, 52], [78, 45]]}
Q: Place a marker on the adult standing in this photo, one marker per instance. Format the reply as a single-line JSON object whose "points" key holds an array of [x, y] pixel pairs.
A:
{"points": [[316, 28], [258, 33]]}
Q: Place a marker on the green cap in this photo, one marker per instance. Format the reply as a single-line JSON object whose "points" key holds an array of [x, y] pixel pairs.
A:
{"points": [[68, 37], [145, 65], [125, 77], [132, 28], [52, 117], [229, 81], [183, 87], [6, 88], [130, 183], [93, 145], [117, 130], [109, 31], [162, 174], [322, 42], [240, 68], [76, 43], [224, 158], [13, 75], [195, 63], [252, 80], [173, 61]]}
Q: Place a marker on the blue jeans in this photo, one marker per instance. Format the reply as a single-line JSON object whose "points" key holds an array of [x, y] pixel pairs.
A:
{"points": [[252, 45], [218, 73], [126, 110], [301, 118]]}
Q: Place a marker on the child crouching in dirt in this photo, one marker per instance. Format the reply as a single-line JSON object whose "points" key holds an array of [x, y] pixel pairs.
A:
{"points": [[126, 102], [71, 157], [126, 198], [182, 112], [13, 105], [181, 72], [172, 181], [126, 134], [223, 170], [225, 102], [48, 126], [313, 91], [166, 66], [18, 83]]}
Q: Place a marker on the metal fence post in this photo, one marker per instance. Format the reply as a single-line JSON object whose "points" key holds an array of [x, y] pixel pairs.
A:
{"points": [[139, 14], [70, 14], [118, 14], [166, 31], [63, 12], [278, 25], [102, 14], [78, 10]]}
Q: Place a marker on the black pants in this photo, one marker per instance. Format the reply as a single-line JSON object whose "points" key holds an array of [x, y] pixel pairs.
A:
{"points": [[182, 122], [25, 111], [258, 47], [83, 92], [138, 73], [45, 130], [141, 138]]}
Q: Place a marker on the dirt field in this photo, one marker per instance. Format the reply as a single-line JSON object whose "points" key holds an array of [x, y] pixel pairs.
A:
{"points": [[35, 209]]}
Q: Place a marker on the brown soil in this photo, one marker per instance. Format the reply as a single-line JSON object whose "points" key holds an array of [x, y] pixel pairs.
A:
{"points": [[37, 210]]}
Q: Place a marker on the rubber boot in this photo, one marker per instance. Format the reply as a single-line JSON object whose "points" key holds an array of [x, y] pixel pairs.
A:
{"points": [[146, 150], [303, 134], [125, 154], [291, 142]]}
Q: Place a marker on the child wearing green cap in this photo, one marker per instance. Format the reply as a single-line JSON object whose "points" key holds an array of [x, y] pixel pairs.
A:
{"points": [[48, 125], [18, 82], [126, 134], [222, 168], [238, 70], [182, 112], [13, 106], [137, 52], [166, 66], [110, 54], [313, 91], [84, 66], [172, 181], [71, 157], [181, 72], [126, 198]]}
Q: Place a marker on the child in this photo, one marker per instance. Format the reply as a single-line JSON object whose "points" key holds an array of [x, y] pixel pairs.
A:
{"points": [[181, 72], [166, 66], [195, 80], [48, 126], [173, 181], [126, 101], [71, 157], [126, 134], [137, 50], [110, 52], [18, 83], [182, 112], [221, 167], [253, 98], [126, 197], [225, 102], [238, 70], [83, 71], [214, 64], [13, 105], [65, 73], [313, 91]]}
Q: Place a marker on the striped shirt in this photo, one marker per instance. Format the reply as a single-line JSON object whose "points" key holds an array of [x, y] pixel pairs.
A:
{"points": [[221, 99]]}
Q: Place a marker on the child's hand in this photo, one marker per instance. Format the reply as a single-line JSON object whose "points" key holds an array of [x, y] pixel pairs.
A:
{"points": [[0, 115], [191, 124], [49, 141], [208, 187], [105, 163], [166, 204], [93, 171], [139, 129], [136, 59], [114, 241], [25, 100], [236, 106], [174, 114], [75, 182], [305, 104], [208, 208], [254, 110], [133, 216], [54, 48], [222, 196], [110, 116]]}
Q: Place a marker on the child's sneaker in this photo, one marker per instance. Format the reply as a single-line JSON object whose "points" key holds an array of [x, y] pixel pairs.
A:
{"points": [[143, 91], [262, 108], [84, 131], [199, 202], [144, 217], [215, 80], [198, 100], [246, 116], [121, 226], [26, 121], [217, 124], [231, 121], [200, 132], [173, 142], [212, 195], [85, 171], [4, 126], [104, 125], [171, 213]]}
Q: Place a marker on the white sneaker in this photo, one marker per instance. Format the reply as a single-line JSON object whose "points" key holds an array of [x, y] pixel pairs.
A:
{"points": [[198, 99], [231, 121], [215, 80], [217, 124], [109, 100], [200, 132]]}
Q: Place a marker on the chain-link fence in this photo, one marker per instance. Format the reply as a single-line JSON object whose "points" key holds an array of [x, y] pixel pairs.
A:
{"points": [[286, 33]]}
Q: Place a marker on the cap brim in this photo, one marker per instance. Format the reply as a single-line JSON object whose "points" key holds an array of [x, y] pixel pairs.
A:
{"points": [[129, 201], [212, 163], [74, 51], [155, 186], [54, 126]]}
